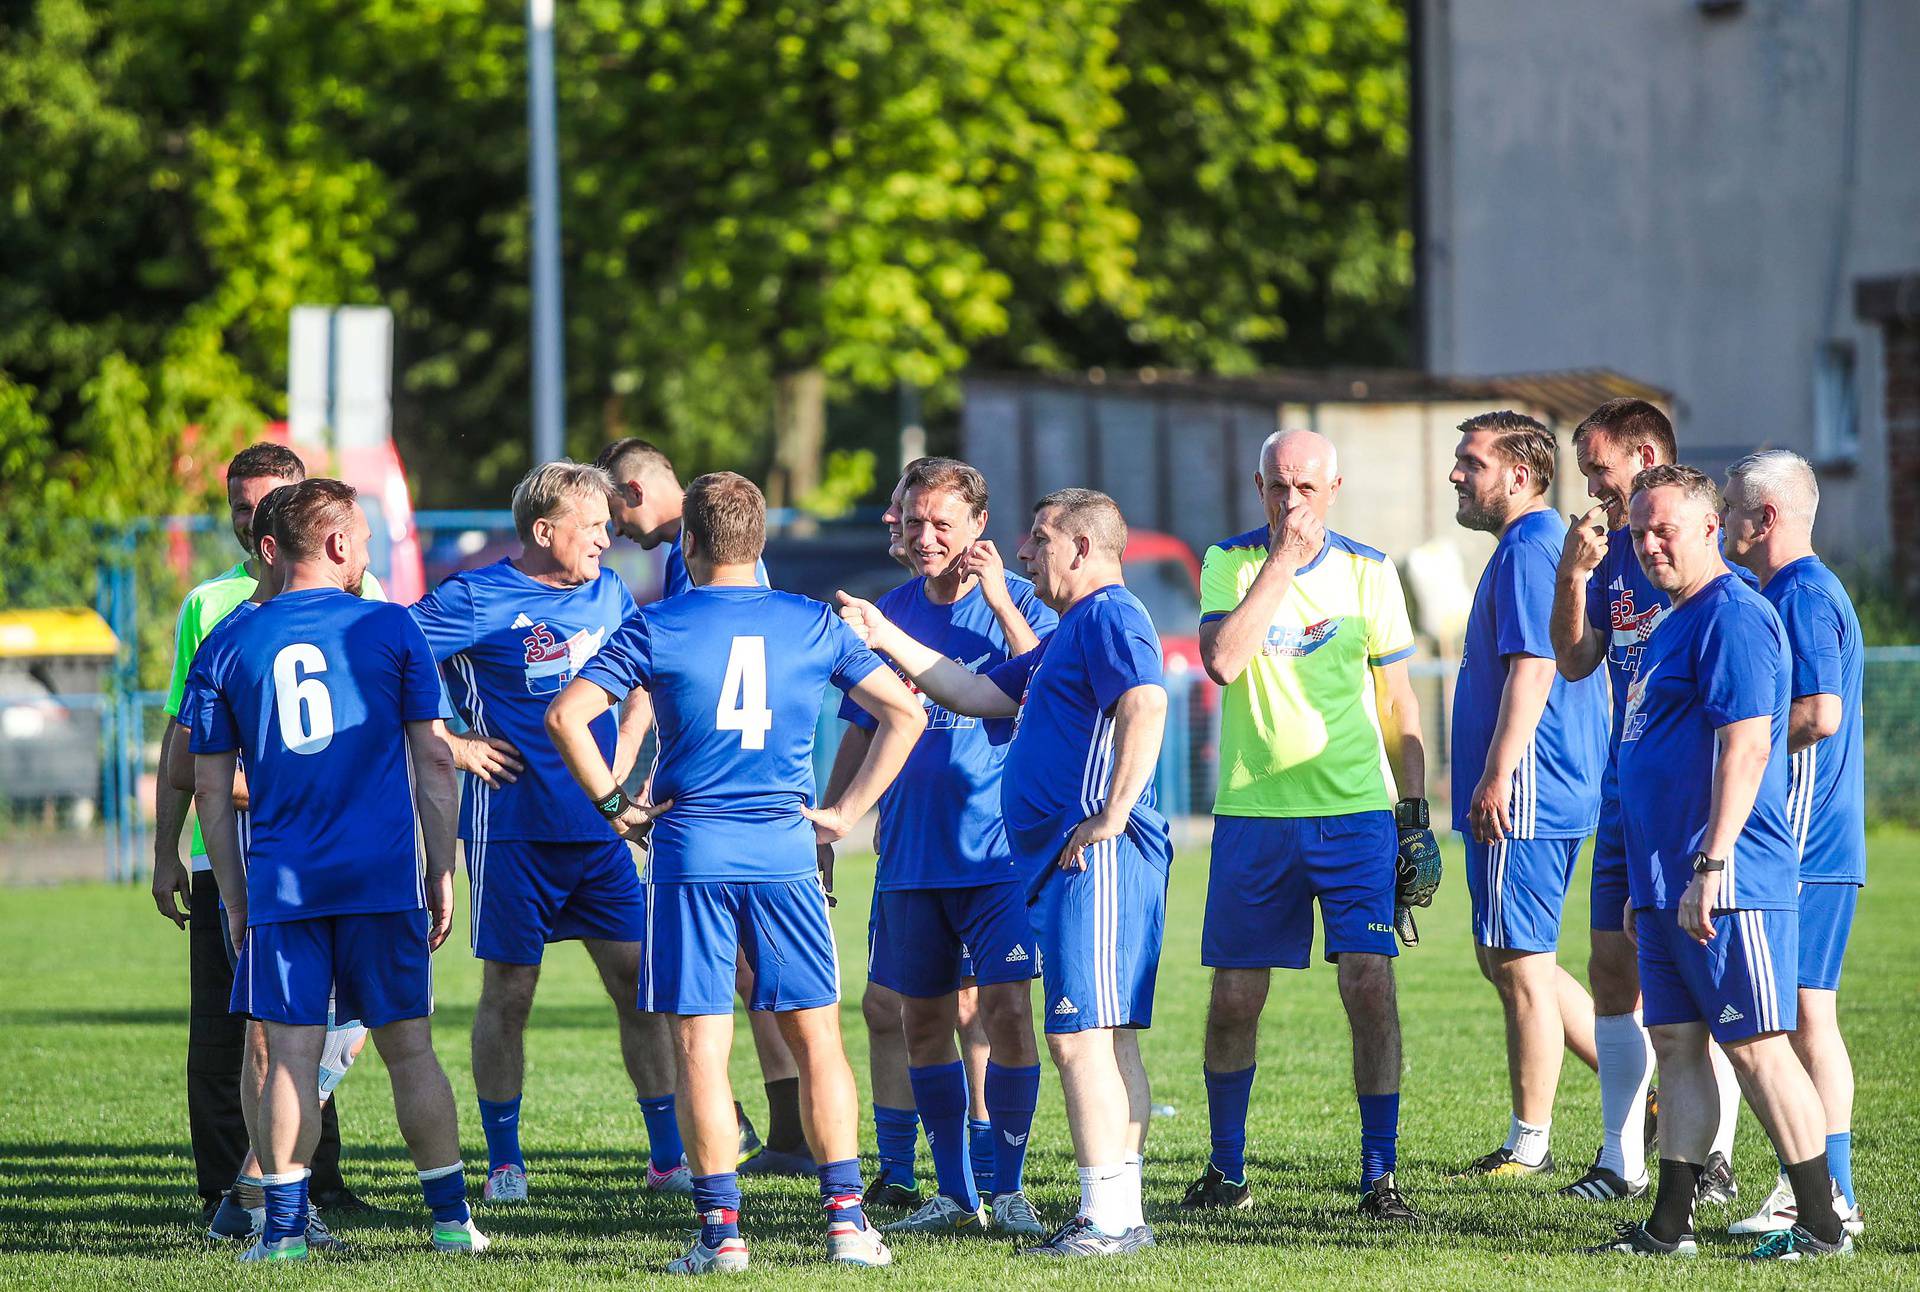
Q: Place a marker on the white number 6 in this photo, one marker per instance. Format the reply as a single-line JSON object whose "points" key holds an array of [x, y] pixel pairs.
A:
{"points": [[304, 704], [743, 693]]}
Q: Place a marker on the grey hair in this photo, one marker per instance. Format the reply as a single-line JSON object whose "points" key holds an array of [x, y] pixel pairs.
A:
{"points": [[1089, 512], [1273, 443], [544, 491], [1781, 477]]}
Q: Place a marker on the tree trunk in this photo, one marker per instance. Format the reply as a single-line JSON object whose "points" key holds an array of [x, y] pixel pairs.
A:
{"points": [[799, 436]]}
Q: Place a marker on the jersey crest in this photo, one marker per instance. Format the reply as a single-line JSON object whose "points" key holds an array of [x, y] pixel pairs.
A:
{"points": [[1287, 640], [551, 662], [1631, 626]]}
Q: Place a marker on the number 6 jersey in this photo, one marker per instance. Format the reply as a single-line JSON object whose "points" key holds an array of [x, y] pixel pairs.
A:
{"points": [[737, 676], [313, 689]]}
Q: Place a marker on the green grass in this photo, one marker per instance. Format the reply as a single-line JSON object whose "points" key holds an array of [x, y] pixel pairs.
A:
{"points": [[96, 1182]]}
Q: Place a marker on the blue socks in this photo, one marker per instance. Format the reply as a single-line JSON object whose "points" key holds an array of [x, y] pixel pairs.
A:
{"points": [[941, 1095], [446, 1191], [1379, 1136], [840, 1192], [717, 1200], [980, 1155], [500, 1119], [664, 1148], [1011, 1096], [1227, 1096], [897, 1130], [1840, 1162], [286, 1205]]}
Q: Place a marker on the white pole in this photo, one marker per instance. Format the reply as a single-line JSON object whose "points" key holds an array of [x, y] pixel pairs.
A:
{"points": [[544, 177]]}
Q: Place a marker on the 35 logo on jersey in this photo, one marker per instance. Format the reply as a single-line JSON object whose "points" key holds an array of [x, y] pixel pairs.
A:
{"points": [[1287, 640], [1631, 627], [551, 662]]}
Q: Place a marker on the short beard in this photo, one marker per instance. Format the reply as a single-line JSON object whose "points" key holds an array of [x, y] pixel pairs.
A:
{"points": [[1472, 515]]}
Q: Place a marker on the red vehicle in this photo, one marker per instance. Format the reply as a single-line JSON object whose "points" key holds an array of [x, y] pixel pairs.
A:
{"points": [[1163, 572], [377, 472]]}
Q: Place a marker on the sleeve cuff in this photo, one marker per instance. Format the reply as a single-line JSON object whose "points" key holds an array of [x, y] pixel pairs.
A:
{"points": [[1391, 657], [1212, 615]]}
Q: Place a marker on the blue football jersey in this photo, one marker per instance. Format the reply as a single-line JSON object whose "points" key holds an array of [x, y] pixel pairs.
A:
{"points": [[1556, 788], [197, 692], [737, 677], [1827, 803], [940, 824], [313, 689], [674, 578], [1719, 658], [1060, 764], [512, 644]]}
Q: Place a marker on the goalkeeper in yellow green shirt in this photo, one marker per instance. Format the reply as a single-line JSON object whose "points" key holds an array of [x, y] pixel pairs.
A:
{"points": [[1307, 630]]}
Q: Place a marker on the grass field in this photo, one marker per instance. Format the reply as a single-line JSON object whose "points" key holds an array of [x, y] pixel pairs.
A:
{"points": [[96, 1182]]}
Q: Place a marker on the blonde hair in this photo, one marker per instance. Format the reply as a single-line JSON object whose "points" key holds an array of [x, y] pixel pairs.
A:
{"points": [[546, 491]]}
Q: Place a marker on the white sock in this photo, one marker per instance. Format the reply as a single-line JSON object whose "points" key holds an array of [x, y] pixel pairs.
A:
{"points": [[1136, 1167], [1729, 1084], [1527, 1142], [1103, 1198], [1626, 1070]]}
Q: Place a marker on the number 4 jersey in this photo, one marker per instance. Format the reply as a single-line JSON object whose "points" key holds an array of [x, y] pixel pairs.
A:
{"points": [[313, 689], [737, 676]]}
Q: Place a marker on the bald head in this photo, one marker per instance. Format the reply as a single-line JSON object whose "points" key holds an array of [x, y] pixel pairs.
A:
{"points": [[1297, 469]]}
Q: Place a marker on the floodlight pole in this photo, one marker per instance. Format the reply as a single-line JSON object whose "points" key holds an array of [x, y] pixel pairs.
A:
{"points": [[543, 167]]}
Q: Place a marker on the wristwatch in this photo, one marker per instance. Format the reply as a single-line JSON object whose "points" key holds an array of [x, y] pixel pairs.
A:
{"points": [[1705, 865], [1411, 814], [613, 804]]}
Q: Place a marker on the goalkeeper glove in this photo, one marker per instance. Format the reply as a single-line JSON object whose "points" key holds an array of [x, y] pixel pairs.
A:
{"points": [[1417, 863]]}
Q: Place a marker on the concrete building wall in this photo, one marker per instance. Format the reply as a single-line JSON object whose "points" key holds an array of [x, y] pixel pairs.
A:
{"points": [[1640, 186]]}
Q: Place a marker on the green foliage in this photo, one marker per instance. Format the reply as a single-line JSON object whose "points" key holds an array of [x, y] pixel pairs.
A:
{"points": [[883, 190], [849, 476]]}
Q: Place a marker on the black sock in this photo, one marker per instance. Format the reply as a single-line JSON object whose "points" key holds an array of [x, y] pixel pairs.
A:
{"points": [[784, 1132], [1673, 1204], [1813, 1195]]}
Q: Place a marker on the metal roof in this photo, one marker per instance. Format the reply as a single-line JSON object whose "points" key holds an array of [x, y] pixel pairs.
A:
{"points": [[1566, 396]]}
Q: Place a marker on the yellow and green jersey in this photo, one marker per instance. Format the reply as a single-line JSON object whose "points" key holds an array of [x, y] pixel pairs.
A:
{"points": [[1299, 729], [205, 607]]}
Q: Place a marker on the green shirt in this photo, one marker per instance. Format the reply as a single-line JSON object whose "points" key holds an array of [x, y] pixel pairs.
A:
{"points": [[1299, 729], [205, 607]]}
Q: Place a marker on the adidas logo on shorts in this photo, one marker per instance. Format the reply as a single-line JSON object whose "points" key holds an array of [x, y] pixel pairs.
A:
{"points": [[1066, 1006], [1017, 956], [1731, 1015]]}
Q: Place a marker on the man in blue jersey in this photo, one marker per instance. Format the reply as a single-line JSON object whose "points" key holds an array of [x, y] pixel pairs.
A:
{"points": [[1604, 609], [647, 507], [332, 701], [242, 1212], [1771, 499], [1712, 868], [736, 674], [946, 887], [542, 865], [1077, 797], [1528, 748]]}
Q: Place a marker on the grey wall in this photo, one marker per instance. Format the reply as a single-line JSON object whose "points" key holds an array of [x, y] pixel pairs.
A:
{"points": [[1634, 185]]}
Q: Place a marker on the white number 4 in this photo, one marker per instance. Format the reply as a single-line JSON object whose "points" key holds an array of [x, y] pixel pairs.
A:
{"points": [[305, 706], [743, 693]]}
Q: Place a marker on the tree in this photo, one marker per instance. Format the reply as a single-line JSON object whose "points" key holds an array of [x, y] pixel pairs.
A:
{"points": [[1269, 142]]}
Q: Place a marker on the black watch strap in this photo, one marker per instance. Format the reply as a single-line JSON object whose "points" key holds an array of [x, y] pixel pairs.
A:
{"points": [[1705, 865], [614, 804], [1411, 814]]}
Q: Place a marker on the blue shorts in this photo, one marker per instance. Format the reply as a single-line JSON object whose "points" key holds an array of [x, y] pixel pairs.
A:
{"points": [[1826, 918], [921, 938], [375, 968], [1609, 906], [1518, 887], [1730, 984], [1099, 931], [527, 894], [1266, 873], [696, 932]]}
